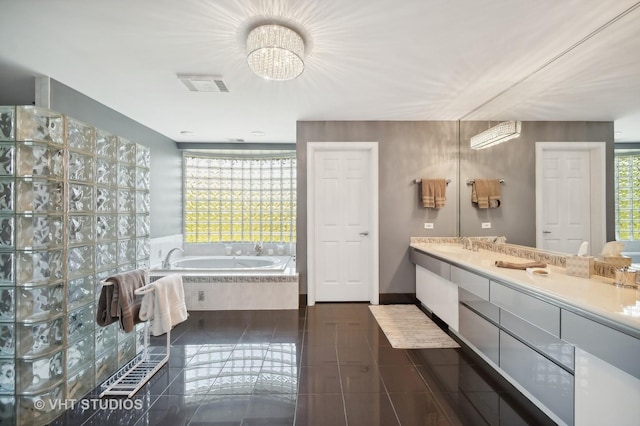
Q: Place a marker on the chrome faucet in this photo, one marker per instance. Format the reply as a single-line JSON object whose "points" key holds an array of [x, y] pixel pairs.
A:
{"points": [[466, 242], [166, 263], [258, 248]]}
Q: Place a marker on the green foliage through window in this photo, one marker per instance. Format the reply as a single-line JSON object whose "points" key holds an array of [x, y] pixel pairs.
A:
{"points": [[627, 190], [239, 199]]}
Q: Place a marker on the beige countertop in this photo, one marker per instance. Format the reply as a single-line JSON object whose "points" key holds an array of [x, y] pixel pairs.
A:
{"points": [[596, 297]]}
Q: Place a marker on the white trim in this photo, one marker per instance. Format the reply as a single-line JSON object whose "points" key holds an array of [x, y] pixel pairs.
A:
{"points": [[597, 151], [312, 148]]}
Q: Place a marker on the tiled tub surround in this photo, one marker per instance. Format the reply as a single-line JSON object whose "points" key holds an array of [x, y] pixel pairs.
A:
{"points": [[237, 290], [598, 322], [74, 209]]}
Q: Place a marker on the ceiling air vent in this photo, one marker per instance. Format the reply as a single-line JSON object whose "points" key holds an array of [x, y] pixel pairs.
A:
{"points": [[203, 83]]}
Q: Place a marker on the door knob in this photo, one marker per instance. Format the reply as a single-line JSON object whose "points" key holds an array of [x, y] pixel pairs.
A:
{"points": [[365, 233]]}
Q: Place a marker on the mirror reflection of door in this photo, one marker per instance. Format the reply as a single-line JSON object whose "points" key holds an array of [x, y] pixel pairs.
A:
{"points": [[566, 200], [571, 196]]}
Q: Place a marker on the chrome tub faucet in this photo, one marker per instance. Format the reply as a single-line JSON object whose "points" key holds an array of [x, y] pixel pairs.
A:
{"points": [[166, 263]]}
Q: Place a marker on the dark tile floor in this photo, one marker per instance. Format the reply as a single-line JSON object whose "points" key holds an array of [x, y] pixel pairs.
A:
{"points": [[324, 365]]}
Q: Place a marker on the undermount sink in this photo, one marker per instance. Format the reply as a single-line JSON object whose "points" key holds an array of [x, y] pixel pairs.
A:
{"points": [[449, 248]]}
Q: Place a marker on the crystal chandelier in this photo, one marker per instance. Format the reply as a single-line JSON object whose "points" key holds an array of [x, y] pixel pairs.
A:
{"points": [[275, 52], [497, 134]]}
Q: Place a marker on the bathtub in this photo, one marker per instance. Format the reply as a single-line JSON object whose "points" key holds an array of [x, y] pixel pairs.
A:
{"points": [[215, 264], [236, 282]]}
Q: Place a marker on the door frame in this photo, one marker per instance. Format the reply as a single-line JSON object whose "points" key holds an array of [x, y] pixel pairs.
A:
{"points": [[597, 183], [312, 148]]}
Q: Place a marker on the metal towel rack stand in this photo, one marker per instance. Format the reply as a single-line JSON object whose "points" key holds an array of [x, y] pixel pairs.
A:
{"points": [[134, 374]]}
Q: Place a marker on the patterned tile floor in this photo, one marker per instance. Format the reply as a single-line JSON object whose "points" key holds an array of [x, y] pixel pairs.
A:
{"points": [[327, 365]]}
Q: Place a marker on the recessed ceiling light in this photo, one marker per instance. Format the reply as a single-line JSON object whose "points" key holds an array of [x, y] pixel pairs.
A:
{"points": [[258, 133]]}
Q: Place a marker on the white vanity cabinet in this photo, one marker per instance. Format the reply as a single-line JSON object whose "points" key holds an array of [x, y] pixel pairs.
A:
{"points": [[579, 366], [433, 288]]}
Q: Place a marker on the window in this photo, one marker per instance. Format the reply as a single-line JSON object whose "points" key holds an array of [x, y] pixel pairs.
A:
{"points": [[236, 199], [627, 190]]}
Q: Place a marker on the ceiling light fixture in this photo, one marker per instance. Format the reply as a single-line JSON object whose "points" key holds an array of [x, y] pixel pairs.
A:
{"points": [[497, 134], [275, 52]]}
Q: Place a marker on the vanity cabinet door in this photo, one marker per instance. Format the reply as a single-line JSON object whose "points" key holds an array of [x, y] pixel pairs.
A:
{"points": [[440, 296], [480, 333], [474, 283], [550, 384]]}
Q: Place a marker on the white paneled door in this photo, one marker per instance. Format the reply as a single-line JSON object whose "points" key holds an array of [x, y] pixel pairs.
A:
{"points": [[343, 245], [566, 200]]}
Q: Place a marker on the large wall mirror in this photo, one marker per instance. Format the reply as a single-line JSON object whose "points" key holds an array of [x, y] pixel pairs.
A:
{"points": [[514, 162]]}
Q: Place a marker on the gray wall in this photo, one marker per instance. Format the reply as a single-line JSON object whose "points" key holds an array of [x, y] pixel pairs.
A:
{"points": [[166, 160], [407, 150], [514, 161], [410, 150]]}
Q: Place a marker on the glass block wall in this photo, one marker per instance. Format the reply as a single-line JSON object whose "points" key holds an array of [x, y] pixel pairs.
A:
{"points": [[240, 199], [74, 209]]}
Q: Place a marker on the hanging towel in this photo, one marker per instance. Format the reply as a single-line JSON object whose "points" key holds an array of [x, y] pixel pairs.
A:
{"points": [[120, 300], [428, 193], [440, 192], [480, 193], [494, 193], [103, 314], [164, 307]]}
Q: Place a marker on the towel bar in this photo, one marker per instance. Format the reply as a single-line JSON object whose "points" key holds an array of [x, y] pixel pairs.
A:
{"points": [[128, 380], [472, 181], [420, 180]]}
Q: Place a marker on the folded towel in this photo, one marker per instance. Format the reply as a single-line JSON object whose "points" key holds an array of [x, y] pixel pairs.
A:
{"points": [[428, 193], [440, 192], [164, 307], [523, 266], [480, 193], [494, 193], [103, 313], [124, 303]]}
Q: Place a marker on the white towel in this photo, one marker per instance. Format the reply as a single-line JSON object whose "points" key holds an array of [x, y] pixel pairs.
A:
{"points": [[164, 307]]}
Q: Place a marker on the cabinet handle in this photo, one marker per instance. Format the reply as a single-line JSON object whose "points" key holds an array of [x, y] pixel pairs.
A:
{"points": [[365, 233]]}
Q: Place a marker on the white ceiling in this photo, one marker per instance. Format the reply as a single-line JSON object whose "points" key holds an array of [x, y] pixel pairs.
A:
{"points": [[365, 60]]}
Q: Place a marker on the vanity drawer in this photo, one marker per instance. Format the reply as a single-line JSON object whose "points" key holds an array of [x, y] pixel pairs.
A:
{"points": [[479, 332], [531, 309], [549, 383], [480, 305], [476, 284], [431, 263], [618, 349], [561, 352]]}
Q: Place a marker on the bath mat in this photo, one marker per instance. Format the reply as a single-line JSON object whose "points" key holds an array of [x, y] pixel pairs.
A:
{"points": [[407, 327]]}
